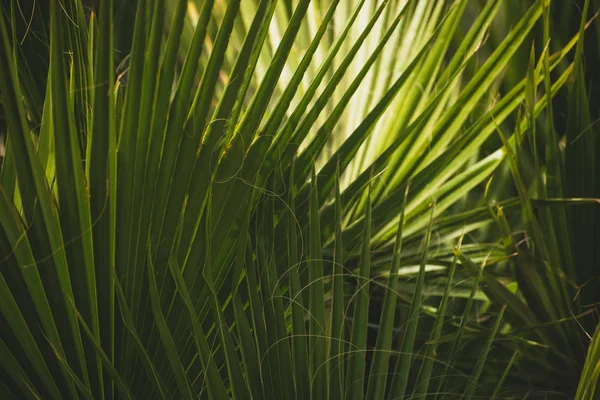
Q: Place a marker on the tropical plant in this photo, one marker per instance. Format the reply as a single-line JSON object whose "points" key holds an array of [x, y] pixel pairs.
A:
{"points": [[295, 199]]}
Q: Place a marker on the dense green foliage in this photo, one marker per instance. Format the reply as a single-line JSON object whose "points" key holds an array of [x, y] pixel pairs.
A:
{"points": [[299, 199]]}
